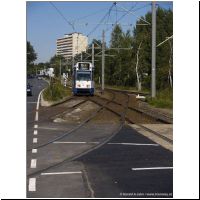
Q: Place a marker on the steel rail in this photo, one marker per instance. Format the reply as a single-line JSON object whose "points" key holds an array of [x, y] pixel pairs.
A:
{"points": [[138, 111], [70, 131], [66, 160], [46, 108], [168, 118], [133, 122]]}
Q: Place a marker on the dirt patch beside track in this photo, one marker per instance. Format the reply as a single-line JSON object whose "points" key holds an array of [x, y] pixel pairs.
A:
{"points": [[78, 114]]}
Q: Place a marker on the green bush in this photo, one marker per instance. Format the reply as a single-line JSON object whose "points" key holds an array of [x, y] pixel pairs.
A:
{"points": [[56, 91]]}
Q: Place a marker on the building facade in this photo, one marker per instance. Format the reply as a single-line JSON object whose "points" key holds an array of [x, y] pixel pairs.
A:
{"points": [[71, 45]]}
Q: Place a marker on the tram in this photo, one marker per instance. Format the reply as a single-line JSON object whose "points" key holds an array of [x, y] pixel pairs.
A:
{"points": [[83, 79]]}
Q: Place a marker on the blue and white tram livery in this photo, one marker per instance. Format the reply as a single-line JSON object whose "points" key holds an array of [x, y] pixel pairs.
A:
{"points": [[83, 78]]}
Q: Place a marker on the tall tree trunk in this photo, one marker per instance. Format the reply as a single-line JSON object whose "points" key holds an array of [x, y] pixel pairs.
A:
{"points": [[170, 65], [139, 85]]}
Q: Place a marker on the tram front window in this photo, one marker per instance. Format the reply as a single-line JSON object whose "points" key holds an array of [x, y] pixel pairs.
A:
{"points": [[83, 77], [84, 66]]}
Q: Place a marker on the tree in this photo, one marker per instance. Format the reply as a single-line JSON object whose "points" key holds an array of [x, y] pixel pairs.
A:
{"points": [[139, 86], [97, 58], [119, 67], [164, 28], [31, 55], [55, 62], [114, 64]]}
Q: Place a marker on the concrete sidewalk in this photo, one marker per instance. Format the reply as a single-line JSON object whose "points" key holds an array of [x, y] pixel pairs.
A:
{"points": [[163, 129]]}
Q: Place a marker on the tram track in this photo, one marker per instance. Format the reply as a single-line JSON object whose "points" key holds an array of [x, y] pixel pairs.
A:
{"points": [[69, 159], [148, 111], [56, 104], [66, 109], [131, 120], [134, 110], [73, 129], [105, 105]]}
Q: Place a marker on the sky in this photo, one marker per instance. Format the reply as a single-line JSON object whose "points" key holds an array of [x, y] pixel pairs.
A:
{"points": [[45, 24]]}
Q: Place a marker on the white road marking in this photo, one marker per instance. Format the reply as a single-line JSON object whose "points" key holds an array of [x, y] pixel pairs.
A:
{"points": [[38, 101], [35, 126], [51, 128], [59, 173], [76, 142], [135, 144], [36, 116], [32, 184], [151, 168], [35, 132], [34, 140], [33, 163], [34, 150]]}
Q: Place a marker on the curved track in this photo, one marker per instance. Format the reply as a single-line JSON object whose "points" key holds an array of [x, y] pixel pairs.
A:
{"points": [[119, 109], [161, 117], [132, 120], [122, 121]]}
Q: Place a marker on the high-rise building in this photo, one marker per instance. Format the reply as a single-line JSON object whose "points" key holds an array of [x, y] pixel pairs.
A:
{"points": [[71, 44]]}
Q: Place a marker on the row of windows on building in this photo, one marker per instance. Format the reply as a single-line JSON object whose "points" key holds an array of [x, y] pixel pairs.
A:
{"points": [[71, 44]]}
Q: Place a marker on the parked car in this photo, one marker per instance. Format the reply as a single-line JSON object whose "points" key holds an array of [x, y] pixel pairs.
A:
{"points": [[29, 90]]}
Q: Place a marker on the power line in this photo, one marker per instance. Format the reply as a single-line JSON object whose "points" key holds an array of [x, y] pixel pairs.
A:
{"points": [[106, 23], [131, 9], [60, 13], [86, 16], [133, 14], [94, 29], [116, 14], [142, 7], [101, 21], [86, 24], [106, 17]]}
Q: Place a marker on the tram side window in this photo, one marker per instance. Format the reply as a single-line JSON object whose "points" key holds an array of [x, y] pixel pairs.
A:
{"points": [[83, 77]]}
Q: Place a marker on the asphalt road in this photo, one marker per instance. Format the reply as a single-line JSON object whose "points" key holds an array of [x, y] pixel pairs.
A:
{"points": [[38, 85], [56, 185], [124, 167], [110, 168]]}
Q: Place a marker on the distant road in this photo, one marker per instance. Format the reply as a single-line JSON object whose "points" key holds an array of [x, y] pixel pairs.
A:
{"points": [[38, 85]]}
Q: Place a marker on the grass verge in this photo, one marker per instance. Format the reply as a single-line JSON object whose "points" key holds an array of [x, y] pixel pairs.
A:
{"points": [[56, 91], [119, 87], [164, 99]]}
